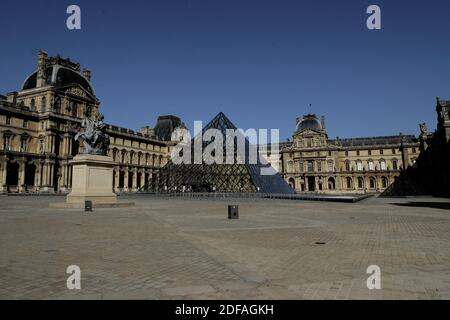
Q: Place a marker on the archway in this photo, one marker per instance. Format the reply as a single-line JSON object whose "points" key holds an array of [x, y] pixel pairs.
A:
{"points": [[311, 182], [147, 178], [30, 173], [130, 180], [138, 178], [384, 182], [121, 179], [331, 183], [349, 182], [292, 183], [360, 183], [372, 183], [12, 174]]}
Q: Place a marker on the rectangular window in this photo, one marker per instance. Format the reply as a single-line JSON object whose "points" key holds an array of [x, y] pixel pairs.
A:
{"points": [[23, 145], [394, 165], [381, 151], [370, 152], [393, 151], [7, 143], [347, 165], [357, 152], [310, 166], [8, 121], [25, 123], [319, 166]]}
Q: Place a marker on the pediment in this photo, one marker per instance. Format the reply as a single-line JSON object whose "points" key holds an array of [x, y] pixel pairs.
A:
{"points": [[77, 91]]}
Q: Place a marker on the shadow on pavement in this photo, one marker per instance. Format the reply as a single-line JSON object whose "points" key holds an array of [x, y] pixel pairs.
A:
{"points": [[434, 205]]}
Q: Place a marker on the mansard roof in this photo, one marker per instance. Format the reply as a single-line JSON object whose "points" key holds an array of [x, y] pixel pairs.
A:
{"points": [[373, 141]]}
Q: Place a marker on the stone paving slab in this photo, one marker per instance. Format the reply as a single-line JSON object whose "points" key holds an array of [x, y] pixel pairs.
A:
{"points": [[188, 249]]}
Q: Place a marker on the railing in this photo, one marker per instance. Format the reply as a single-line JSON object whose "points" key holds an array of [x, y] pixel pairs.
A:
{"points": [[274, 196]]}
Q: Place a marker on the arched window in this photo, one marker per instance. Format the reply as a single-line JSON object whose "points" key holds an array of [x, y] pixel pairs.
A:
{"points": [[292, 183], [371, 167], [359, 165], [384, 182], [372, 183], [394, 164], [382, 164], [33, 104], [360, 182], [331, 183], [347, 165], [349, 183]]}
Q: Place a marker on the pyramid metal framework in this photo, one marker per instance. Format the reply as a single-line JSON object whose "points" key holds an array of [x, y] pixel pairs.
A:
{"points": [[243, 177]]}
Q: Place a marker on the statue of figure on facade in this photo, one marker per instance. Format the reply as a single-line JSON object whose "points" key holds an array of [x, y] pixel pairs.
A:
{"points": [[423, 129], [93, 135], [423, 136]]}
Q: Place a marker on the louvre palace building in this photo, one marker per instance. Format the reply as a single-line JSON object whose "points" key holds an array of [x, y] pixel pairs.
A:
{"points": [[314, 163], [38, 124]]}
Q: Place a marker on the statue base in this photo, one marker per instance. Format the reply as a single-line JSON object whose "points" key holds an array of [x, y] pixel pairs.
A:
{"points": [[92, 180]]}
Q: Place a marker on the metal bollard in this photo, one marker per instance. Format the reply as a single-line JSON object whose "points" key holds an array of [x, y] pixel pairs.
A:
{"points": [[233, 212], [88, 206]]}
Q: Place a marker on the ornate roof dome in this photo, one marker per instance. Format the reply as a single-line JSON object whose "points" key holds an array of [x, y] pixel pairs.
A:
{"points": [[311, 122], [59, 72]]}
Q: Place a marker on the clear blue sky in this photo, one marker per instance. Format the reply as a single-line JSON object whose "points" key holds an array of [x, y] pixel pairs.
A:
{"points": [[260, 62]]}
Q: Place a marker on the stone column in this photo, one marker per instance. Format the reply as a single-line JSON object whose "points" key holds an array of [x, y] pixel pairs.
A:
{"points": [[37, 177], [63, 178], [52, 174], [22, 165], [70, 146], [143, 183], [69, 176], [125, 180], [3, 174], [116, 179], [134, 188]]}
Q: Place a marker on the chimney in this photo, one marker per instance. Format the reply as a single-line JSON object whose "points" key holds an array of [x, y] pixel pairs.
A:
{"points": [[322, 120], [87, 74], [42, 62]]}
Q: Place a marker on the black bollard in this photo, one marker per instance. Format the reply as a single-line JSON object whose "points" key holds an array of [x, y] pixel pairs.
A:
{"points": [[88, 206], [233, 212]]}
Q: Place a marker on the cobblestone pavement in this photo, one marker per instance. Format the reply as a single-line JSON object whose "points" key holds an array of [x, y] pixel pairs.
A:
{"points": [[187, 249]]}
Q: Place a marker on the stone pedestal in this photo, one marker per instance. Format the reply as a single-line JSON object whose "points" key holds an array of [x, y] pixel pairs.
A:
{"points": [[92, 180]]}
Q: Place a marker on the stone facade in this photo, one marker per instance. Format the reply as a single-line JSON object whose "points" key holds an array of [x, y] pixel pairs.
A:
{"points": [[314, 163], [38, 123]]}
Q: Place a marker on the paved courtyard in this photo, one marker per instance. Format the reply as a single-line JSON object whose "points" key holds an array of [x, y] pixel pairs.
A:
{"points": [[187, 249]]}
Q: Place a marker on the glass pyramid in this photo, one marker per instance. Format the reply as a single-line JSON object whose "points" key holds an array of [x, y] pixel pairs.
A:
{"points": [[244, 176]]}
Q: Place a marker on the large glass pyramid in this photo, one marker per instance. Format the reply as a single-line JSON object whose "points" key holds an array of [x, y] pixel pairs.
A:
{"points": [[245, 176]]}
